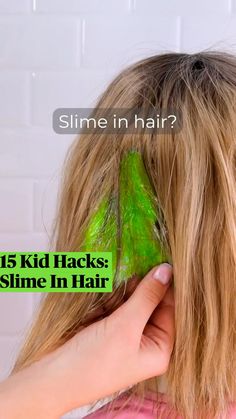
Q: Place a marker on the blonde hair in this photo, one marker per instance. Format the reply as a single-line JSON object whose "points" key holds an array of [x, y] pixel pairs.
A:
{"points": [[193, 173]]}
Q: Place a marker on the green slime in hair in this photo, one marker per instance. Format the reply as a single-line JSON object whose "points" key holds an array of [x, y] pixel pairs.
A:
{"points": [[127, 225]]}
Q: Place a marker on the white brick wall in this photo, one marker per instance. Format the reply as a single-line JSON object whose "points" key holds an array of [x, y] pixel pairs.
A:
{"points": [[59, 53]]}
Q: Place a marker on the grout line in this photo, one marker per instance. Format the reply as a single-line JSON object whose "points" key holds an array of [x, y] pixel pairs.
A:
{"points": [[132, 5], [6, 336], [25, 177], [20, 234], [31, 208], [33, 6], [34, 206], [30, 102], [82, 40]]}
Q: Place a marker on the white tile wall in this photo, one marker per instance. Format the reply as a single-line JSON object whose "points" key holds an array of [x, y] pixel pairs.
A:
{"points": [[16, 209], [14, 98], [30, 153], [136, 37], [23, 242], [201, 34], [8, 347], [35, 42], [45, 198], [14, 6], [57, 53], [183, 7], [233, 6], [81, 6], [10, 307], [64, 89]]}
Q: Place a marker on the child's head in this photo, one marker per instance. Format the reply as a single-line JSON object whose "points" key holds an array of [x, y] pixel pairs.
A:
{"points": [[193, 175]]}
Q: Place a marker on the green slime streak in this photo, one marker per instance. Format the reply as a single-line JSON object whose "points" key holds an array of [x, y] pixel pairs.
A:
{"points": [[129, 233]]}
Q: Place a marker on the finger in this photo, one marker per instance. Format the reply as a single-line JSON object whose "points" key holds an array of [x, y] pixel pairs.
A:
{"points": [[120, 295], [167, 302], [161, 325], [146, 297], [111, 301]]}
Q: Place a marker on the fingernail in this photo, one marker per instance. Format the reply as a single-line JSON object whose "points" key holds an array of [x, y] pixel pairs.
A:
{"points": [[163, 273]]}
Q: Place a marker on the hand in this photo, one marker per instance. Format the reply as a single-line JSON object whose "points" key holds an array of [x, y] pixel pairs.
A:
{"points": [[130, 345]]}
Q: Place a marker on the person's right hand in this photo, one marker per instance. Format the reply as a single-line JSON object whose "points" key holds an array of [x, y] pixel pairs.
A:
{"points": [[130, 345]]}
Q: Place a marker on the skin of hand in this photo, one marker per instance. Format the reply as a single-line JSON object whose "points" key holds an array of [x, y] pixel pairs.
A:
{"points": [[130, 345]]}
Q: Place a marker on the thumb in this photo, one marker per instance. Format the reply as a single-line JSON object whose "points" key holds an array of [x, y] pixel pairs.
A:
{"points": [[148, 294]]}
